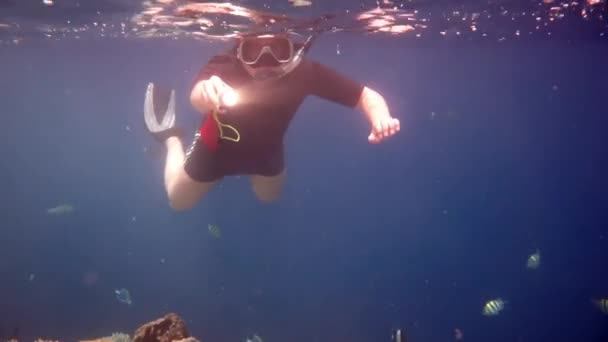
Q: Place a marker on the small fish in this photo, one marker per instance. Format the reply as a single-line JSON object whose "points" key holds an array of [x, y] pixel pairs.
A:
{"points": [[300, 3], [398, 336], [493, 307], [255, 338], [601, 304], [123, 296], [458, 335], [534, 260], [62, 209], [214, 230]]}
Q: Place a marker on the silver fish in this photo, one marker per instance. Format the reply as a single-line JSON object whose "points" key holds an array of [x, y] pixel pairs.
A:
{"points": [[123, 296], [534, 260], [62, 209]]}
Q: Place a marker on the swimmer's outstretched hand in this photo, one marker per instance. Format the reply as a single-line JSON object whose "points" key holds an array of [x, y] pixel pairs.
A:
{"points": [[213, 94], [383, 124], [383, 128]]}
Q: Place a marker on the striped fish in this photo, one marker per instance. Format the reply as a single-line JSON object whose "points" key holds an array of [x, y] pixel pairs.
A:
{"points": [[214, 230], [493, 307], [601, 304]]}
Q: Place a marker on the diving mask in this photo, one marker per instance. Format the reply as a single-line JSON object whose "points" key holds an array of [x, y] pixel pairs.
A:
{"points": [[252, 49], [270, 56]]}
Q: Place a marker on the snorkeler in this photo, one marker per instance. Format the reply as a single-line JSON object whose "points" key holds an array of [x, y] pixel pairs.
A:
{"points": [[250, 95]]}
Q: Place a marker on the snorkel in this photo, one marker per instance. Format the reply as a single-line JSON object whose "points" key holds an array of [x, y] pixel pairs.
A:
{"points": [[296, 59]]}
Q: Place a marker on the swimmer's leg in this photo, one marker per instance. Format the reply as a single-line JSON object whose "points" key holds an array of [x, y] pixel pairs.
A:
{"points": [[268, 189], [159, 117], [182, 190]]}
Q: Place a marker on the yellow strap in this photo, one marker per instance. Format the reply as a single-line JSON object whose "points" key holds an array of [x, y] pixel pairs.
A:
{"points": [[221, 127]]}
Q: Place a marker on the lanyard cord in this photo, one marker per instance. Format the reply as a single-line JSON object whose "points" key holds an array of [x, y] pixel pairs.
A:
{"points": [[221, 126]]}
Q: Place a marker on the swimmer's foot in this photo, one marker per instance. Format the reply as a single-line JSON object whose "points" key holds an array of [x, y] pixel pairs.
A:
{"points": [[159, 113]]}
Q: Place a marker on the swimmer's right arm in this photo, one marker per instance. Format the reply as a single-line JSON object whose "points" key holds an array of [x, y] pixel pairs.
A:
{"points": [[207, 94]]}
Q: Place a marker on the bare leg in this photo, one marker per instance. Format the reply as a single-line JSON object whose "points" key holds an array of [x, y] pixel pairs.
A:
{"points": [[268, 189], [183, 191]]}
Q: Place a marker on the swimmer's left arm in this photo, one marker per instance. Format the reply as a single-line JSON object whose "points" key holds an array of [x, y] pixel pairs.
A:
{"points": [[376, 110], [331, 85]]}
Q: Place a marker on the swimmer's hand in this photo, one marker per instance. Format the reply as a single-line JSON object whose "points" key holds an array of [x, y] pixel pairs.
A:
{"points": [[212, 94], [383, 128], [376, 110]]}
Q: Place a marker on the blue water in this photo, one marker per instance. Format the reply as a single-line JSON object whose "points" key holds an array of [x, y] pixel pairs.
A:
{"points": [[503, 150]]}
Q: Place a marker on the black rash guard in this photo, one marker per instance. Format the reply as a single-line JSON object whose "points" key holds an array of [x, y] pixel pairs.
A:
{"points": [[262, 116]]}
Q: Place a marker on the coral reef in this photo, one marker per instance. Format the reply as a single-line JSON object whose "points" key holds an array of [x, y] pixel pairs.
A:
{"points": [[170, 328], [167, 329], [120, 337], [115, 337]]}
